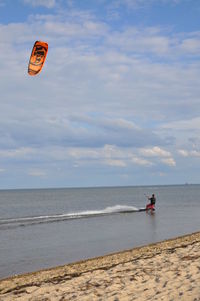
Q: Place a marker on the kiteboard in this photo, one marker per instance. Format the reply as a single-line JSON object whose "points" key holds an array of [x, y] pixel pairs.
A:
{"points": [[134, 210], [142, 209]]}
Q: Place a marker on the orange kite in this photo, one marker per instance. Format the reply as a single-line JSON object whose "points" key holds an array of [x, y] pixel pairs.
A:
{"points": [[37, 57]]}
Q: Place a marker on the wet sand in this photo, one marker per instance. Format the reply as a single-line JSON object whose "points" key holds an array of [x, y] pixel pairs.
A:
{"points": [[169, 270]]}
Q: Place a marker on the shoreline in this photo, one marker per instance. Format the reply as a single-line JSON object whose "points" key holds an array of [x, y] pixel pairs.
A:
{"points": [[136, 274]]}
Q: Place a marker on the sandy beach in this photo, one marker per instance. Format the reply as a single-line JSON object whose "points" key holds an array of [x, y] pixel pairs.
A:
{"points": [[168, 270]]}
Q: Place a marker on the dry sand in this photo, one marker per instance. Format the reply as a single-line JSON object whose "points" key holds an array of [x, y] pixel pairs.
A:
{"points": [[168, 270]]}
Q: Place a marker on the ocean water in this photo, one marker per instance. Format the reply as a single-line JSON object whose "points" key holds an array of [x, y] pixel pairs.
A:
{"points": [[42, 228]]}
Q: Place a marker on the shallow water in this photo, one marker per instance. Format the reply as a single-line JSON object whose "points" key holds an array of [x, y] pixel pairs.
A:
{"points": [[48, 227]]}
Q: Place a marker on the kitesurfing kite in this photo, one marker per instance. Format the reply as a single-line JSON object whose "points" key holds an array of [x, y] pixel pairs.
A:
{"points": [[37, 57]]}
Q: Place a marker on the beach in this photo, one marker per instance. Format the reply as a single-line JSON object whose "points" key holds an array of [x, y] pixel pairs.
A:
{"points": [[168, 270]]}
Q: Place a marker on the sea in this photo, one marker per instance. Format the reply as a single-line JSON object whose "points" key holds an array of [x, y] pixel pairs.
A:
{"points": [[44, 228]]}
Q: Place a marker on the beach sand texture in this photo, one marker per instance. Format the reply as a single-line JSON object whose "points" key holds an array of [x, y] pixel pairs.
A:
{"points": [[169, 270]]}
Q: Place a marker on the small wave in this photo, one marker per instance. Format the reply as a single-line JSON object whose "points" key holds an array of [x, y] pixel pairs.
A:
{"points": [[23, 221]]}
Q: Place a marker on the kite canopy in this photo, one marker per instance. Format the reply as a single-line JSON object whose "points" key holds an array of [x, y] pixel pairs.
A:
{"points": [[37, 57]]}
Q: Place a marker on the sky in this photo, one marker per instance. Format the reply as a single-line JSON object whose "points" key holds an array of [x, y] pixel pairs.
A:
{"points": [[117, 101]]}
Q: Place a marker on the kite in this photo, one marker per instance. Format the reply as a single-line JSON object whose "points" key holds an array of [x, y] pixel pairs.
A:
{"points": [[37, 57]]}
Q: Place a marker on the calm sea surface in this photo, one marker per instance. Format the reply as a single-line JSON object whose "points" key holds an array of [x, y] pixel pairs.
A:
{"points": [[43, 228]]}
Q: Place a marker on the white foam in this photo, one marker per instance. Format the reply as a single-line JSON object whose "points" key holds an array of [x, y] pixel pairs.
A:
{"points": [[71, 215]]}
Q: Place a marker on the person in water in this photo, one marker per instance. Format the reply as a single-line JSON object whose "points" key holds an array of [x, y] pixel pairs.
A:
{"points": [[151, 205]]}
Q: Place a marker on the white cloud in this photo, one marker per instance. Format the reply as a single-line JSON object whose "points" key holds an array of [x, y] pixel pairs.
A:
{"points": [[114, 162], [46, 3], [155, 152], [157, 41], [147, 40], [161, 154], [37, 173], [184, 125], [183, 152], [187, 153], [191, 45], [140, 161], [109, 154], [136, 4], [169, 161], [79, 153], [22, 152], [195, 153]]}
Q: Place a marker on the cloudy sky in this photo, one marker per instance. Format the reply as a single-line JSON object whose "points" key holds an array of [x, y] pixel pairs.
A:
{"points": [[118, 99]]}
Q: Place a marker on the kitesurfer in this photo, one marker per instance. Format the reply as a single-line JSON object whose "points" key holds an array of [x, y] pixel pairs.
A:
{"points": [[151, 205]]}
